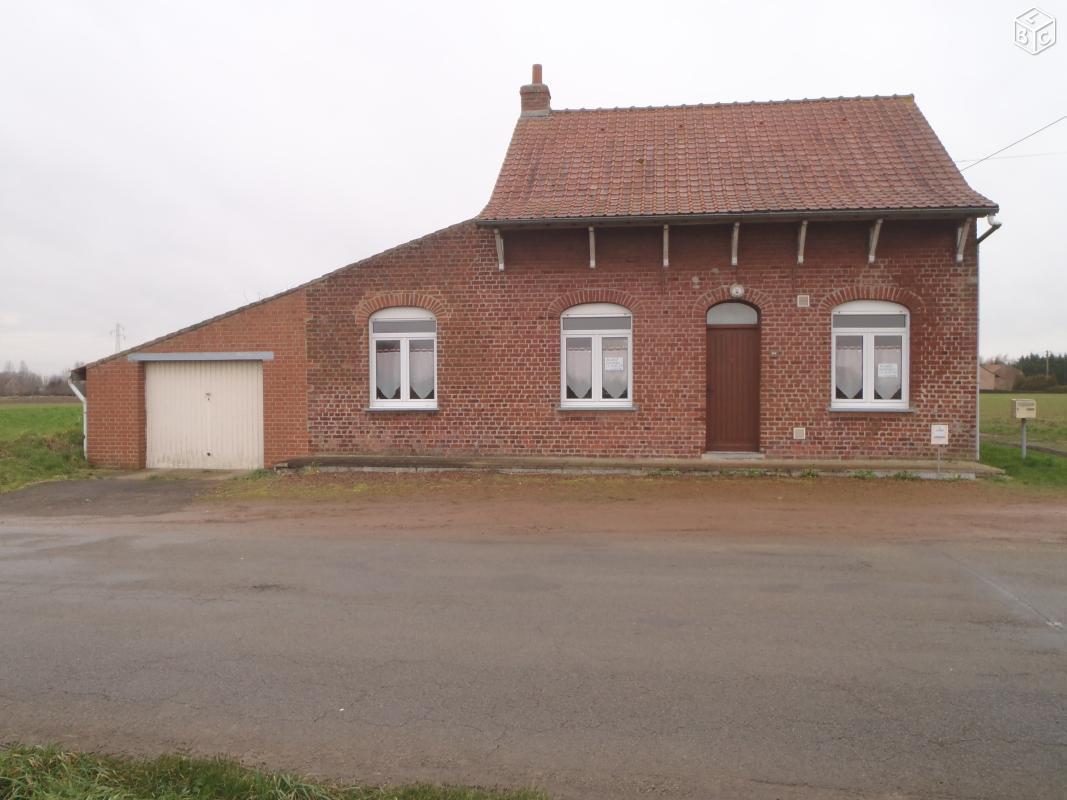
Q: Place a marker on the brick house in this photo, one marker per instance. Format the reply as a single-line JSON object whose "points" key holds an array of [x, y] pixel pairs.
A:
{"points": [[794, 279]]}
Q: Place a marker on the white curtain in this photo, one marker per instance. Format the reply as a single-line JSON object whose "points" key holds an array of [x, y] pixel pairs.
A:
{"points": [[888, 367], [420, 367], [615, 369], [387, 369], [579, 367], [849, 377]]}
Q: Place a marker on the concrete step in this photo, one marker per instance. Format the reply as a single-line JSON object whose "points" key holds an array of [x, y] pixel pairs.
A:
{"points": [[709, 464]]}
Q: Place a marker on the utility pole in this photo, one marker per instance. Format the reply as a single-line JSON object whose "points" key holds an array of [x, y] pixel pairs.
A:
{"points": [[120, 334], [1048, 354]]}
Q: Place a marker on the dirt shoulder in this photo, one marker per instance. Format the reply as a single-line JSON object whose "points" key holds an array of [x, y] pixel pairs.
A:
{"points": [[479, 504], [464, 502]]}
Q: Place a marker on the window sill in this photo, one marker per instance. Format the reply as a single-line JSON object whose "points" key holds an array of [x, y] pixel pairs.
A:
{"points": [[872, 410], [400, 410], [598, 409]]}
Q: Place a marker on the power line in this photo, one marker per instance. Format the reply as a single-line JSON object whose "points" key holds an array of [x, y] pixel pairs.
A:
{"points": [[1006, 147], [1020, 155]]}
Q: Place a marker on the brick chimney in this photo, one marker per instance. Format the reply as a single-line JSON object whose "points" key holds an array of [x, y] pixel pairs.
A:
{"points": [[535, 96]]}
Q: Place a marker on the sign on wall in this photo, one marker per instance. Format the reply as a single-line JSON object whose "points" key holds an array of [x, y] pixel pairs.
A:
{"points": [[939, 435]]}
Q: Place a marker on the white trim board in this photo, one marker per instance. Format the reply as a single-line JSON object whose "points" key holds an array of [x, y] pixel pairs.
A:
{"points": [[265, 355]]}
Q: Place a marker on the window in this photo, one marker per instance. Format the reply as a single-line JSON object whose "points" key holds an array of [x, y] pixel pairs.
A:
{"points": [[596, 355], [732, 314], [870, 356], [403, 358]]}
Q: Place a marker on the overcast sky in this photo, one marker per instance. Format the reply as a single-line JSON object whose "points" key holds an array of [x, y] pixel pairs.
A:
{"points": [[161, 162]]}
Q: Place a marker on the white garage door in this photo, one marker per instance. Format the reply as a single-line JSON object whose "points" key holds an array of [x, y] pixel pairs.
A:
{"points": [[204, 414]]}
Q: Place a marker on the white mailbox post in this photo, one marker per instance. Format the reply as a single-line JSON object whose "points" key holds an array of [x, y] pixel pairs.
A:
{"points": [[1023, 410], [939, 441]]}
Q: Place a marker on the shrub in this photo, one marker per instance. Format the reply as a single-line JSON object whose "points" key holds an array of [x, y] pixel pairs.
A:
{"points": [[1036, 383]]}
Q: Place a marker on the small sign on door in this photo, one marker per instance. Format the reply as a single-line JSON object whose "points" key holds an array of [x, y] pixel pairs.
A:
{"points": [[939, 435]]}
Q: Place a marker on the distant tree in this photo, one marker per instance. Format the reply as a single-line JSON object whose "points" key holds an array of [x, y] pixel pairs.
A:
{"points": [[1035, 383], [999, 358], [24, 382], [1034, 364]]}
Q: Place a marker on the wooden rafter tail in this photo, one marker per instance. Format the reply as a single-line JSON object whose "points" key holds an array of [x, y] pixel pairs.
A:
{"points": [[872, 241], [499, 249], [961, 239]]}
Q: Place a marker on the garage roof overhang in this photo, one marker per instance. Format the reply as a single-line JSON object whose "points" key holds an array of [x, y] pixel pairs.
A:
{"points": [[264, 355]]}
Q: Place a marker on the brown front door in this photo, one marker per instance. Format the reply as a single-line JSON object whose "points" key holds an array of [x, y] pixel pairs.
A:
{"points": [[733, 388]]}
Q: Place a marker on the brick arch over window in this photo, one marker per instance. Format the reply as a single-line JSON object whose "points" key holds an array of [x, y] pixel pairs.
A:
{"points": [[368, 305], [911, 301], [712, 297], [582, 296]]}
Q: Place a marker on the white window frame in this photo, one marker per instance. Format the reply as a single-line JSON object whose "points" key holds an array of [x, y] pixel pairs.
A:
{"points": [[401, 314], [869, 403], [597, 336]]}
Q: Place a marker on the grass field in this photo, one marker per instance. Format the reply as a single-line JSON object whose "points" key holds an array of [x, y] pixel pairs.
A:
{"points": [[1039, 470], [1050, 427], [36, 773], [39, 441], [45, 419]]}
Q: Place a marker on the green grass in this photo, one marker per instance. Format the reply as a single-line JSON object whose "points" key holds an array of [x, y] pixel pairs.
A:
{"points": [[39, 442], [1038, 470], [904, 476], [36, 773], [45, 419], [1049, 429]]}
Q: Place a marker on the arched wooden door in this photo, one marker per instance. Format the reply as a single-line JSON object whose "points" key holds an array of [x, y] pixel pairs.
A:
{"points": [[733, 369]]}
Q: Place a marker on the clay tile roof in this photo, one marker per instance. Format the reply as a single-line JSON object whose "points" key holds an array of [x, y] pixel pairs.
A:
{"points": [[844, 154]]}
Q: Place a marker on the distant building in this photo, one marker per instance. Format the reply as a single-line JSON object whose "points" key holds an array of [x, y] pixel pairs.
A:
{"points": [[998, 377]]}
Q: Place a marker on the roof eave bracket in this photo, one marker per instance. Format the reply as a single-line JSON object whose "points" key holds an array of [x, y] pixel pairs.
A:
{"points": [[872, 240], [733, 244], [592, 247], [802, 239], [961, 238], [499, 249], [666, 246]]}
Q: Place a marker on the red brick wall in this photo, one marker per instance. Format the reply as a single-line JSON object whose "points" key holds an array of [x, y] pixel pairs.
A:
{"points": [[116, 430], [498, 339], [115, 389], [498, 344]]}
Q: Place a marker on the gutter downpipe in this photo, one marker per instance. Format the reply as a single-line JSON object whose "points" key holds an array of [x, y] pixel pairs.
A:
{"points": [[994, 226], [85, 417]]}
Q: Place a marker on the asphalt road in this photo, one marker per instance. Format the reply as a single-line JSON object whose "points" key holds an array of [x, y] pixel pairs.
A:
{"points": [[591, 665]]}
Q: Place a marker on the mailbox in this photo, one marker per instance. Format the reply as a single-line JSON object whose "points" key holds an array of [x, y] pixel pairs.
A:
{"points": [[1024, 409]]}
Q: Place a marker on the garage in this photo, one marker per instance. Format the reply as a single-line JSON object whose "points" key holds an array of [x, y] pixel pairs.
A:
{"points": [[204, 414]]}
